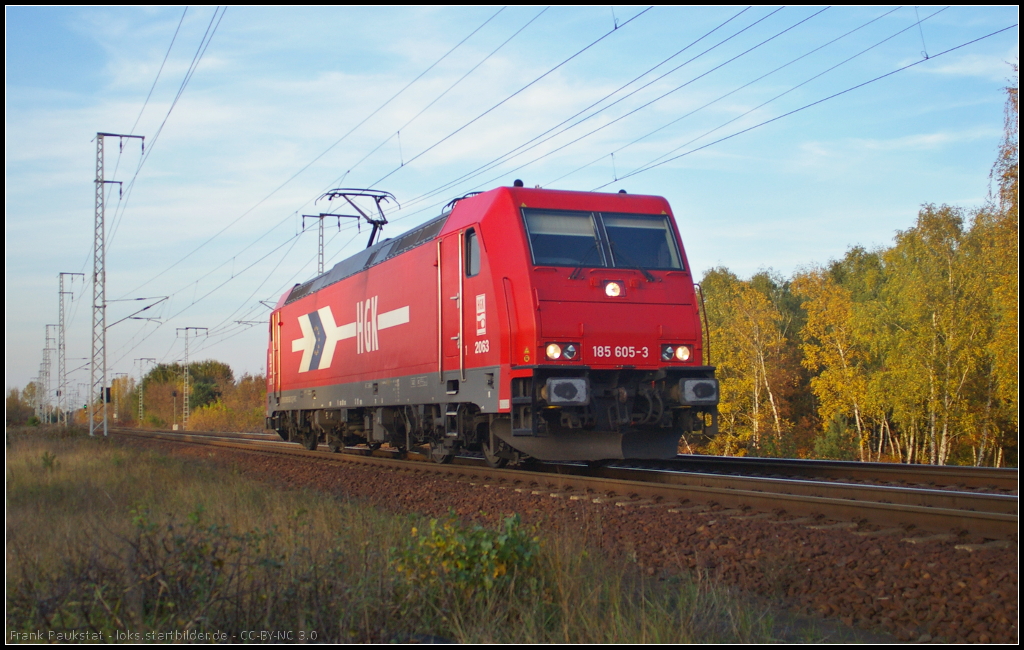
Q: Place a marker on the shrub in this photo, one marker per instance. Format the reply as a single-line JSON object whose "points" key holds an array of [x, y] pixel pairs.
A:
{"points": [[838, 442], [451, 557]]}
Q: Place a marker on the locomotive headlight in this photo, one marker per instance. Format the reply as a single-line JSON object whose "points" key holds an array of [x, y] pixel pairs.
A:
{"points": [[676, 353], [683, 353], [566, 351], [613, 289]]}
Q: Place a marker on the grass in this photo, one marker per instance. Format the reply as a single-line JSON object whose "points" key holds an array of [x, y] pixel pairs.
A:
{"points": [[104, 540]]}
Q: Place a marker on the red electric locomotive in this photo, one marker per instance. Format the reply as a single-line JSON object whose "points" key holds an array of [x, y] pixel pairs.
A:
{"points": [[524, 323]]}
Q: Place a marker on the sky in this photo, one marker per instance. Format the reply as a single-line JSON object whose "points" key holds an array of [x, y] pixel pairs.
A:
{"points": [[768, 129]]}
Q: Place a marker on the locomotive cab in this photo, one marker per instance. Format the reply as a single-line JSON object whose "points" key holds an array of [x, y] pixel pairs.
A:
{"points": [[521, 323], [615, 367]]}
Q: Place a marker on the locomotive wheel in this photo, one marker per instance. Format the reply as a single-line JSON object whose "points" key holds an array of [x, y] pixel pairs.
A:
{"points": [[439, 454], [374, 446], [336, 439], [491, 446]]}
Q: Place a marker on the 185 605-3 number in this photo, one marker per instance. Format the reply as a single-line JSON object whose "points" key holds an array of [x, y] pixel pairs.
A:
{"points": [[620, 351]]}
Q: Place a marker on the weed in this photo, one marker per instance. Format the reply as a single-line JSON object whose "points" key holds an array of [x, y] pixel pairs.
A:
{"points": [[90, 548], [780, 570], [49, 461], [449, 556]]}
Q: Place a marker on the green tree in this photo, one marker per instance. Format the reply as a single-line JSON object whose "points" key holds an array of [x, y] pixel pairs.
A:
{"points": [[209, 380], [164, 388]]}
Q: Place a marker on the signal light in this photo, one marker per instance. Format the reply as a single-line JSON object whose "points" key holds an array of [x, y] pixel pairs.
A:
{"points": [[567, 351]]}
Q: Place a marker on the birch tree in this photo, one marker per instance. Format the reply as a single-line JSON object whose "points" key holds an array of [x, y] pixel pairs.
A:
{"points": [[830, 350]]}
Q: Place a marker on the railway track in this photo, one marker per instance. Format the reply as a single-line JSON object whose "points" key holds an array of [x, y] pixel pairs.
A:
{"points": [[857, 496]]}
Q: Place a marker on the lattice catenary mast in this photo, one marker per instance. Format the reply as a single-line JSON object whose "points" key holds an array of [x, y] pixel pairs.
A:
{"points": [[98, 364], [62, 367], [185, 388]]}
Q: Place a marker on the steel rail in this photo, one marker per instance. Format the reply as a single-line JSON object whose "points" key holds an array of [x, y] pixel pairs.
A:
{"points": [[925, 497], [981, 477]]}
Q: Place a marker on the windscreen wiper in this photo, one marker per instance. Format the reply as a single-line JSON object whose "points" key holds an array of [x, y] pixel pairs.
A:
{"points": [[576, 271], [636, 265]]}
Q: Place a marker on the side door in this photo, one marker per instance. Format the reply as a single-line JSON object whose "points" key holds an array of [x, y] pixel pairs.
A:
{"points": [[274, 356], [450, 307]]}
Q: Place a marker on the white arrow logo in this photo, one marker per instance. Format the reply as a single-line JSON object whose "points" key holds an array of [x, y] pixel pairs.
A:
{"points": [[320, 334]]}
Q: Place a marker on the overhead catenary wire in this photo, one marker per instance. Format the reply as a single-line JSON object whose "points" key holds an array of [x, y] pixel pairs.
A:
{"points": [[620, 178], [502, 102], [214, 290], [312, 162], [292, 240], [434, 101], [732, 92], [799, 85], [511, 153], [159, 71], [651, 102], [204, 43], [650, 166]]}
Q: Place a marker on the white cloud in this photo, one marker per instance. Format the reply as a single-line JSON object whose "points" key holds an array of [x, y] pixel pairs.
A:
{"points": [[994, 67]]}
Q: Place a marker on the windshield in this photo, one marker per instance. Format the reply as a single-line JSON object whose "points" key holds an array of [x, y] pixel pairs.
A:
{"points": [[641, 241], [595, 240], [563, 238]]}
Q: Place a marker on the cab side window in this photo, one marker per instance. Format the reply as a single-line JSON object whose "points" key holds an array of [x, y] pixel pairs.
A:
{"points": [[472, 254]]}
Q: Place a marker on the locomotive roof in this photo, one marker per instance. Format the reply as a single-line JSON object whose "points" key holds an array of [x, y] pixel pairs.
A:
{"points": [[552, 199], [371, 256]]}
